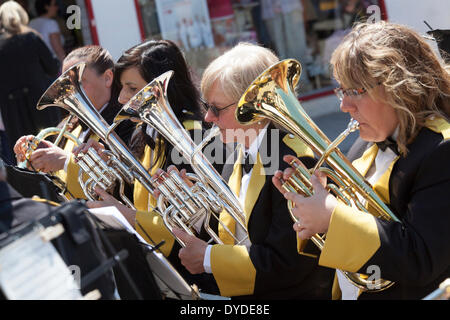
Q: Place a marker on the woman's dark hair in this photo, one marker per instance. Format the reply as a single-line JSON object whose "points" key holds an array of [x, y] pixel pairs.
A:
{"points": [[153, 58], [40, 6]]}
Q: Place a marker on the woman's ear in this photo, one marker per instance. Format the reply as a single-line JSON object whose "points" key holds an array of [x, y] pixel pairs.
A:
{"points": [[109, 78]]}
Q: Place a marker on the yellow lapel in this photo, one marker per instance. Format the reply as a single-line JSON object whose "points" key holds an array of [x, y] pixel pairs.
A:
{"points": [[381, 187], [235, 185], [439, 125], [93, 136], [364, 163], [140, 193], [142, 200], [70, 144], [257, 181], [68, 147]]}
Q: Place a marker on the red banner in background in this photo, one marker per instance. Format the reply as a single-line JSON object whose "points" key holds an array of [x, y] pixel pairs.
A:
{"points": [[219, 9]]}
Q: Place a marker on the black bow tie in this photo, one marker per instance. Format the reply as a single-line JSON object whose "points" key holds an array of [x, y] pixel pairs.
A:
{"points": [[388, 143], [247, 166]]}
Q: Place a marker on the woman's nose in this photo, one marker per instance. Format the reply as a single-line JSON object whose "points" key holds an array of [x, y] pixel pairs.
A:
{"points": [[347, 105], [122, 98], [210, 116]]}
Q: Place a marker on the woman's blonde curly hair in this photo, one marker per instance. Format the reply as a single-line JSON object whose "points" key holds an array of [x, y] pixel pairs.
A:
{"points": [[415, 80]]}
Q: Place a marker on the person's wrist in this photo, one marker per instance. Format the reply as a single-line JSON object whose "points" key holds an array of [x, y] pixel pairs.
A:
{"points": [[62, 160], [330, 204], [66, 163]]}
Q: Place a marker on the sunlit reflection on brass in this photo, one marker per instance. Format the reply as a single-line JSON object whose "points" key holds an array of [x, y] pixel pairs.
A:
{"points": [[181, 205]]}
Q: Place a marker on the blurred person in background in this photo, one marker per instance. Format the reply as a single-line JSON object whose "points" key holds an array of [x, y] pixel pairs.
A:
{"points": [[28, 68], [48, 27]]}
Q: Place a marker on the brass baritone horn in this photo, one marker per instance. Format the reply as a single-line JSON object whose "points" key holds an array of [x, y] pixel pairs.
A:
{"points": [[66, 92], [122, 167], [272, 96], [33, 145], [45, 133], [183, 206]]}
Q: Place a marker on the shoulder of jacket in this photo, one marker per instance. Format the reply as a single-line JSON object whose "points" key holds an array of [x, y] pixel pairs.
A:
{"points": [[297, 145], [192, 125], [439, 125]]}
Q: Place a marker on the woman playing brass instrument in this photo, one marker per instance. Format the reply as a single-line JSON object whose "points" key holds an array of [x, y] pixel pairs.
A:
{"points": [[398, 90], [266, 266]]}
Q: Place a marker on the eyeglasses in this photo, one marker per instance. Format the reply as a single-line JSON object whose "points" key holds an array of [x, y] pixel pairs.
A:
{"points": [[355, 93], [216, 110], [341, 93]]}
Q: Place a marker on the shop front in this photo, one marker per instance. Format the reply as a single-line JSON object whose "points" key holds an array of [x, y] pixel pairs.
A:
{"points": [[306, 30]]}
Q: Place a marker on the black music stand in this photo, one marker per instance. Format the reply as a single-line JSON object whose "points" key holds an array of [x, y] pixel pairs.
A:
{"points": [[143, 285], [30, 183], [78, 245]]}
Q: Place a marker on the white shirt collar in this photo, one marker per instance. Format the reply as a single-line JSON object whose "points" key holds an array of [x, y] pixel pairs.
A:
{"points": [[254, 147], [150, 131]]}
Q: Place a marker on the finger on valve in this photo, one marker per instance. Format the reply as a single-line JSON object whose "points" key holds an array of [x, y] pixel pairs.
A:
{"points": [[21, 147], [278, 181], [78, 149]]}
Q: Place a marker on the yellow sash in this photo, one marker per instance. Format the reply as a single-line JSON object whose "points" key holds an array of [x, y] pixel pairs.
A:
{"points": [[68, 147], [257, 181], [235, 185]]}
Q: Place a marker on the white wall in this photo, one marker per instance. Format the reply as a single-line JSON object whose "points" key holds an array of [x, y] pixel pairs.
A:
{"points": [[117, 25]]}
